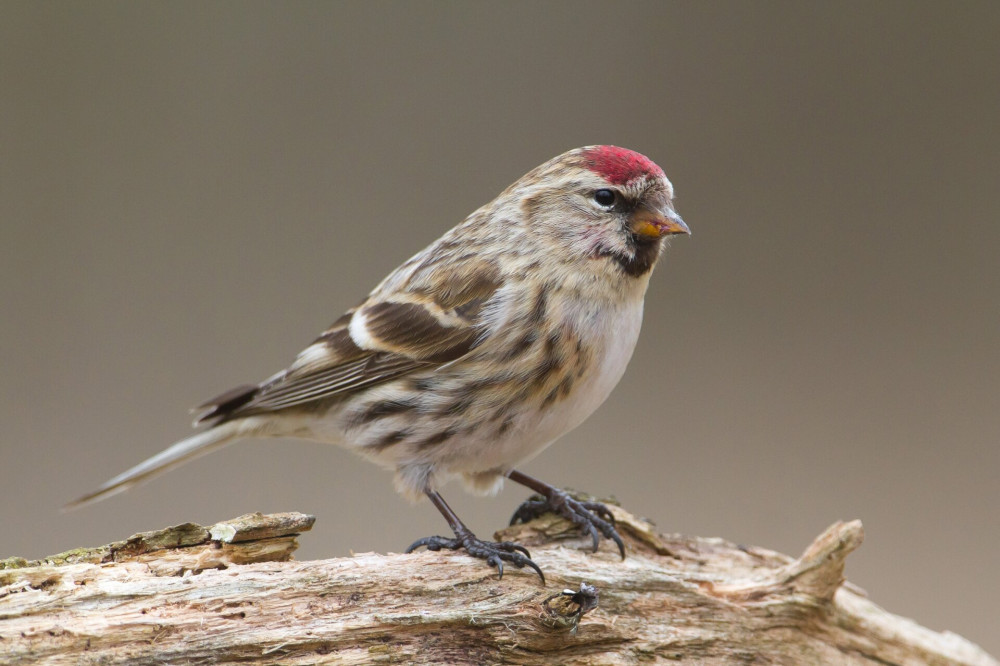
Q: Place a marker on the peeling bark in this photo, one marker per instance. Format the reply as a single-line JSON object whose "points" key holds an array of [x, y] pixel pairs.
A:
{"points": [[231, 593]]}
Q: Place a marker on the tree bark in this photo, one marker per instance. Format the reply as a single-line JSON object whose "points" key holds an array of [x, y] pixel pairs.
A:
{"points": [[231, 593]]}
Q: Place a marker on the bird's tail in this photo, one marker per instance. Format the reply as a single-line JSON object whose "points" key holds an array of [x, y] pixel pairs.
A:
{"points": [[176, 455]]}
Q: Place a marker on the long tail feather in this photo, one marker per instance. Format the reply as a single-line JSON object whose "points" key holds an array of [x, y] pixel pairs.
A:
{"points": [[178, 454]]}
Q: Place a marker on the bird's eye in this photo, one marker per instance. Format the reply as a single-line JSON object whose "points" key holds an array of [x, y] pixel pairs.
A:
{"points": [[605, 197]]}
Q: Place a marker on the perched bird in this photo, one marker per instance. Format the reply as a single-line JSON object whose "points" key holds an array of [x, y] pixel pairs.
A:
{"points": [[477, 353]]}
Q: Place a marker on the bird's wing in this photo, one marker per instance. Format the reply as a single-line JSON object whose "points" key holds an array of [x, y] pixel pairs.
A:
{"points": [[429, 319]]}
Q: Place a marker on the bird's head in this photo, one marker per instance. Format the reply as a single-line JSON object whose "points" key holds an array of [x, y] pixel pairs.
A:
{"points": [[603, 204]]}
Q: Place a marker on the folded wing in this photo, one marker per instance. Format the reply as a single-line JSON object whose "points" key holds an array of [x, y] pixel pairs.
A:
{"points": [[431, 320]]}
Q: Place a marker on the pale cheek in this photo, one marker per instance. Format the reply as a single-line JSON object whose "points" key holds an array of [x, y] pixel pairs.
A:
{"points": [[595, 239]]}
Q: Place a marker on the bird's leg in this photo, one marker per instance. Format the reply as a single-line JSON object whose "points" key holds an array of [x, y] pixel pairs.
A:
{"points": [[494, 552], [592, 517]]}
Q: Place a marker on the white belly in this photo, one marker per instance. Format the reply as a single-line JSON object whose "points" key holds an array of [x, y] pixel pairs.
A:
{"points": [[612, 334]]}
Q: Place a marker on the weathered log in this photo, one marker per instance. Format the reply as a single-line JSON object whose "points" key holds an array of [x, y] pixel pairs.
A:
{"points": [[231, 593]]}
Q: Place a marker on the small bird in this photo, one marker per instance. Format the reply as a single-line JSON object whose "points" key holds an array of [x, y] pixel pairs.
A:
{"points": [[477, 353]]}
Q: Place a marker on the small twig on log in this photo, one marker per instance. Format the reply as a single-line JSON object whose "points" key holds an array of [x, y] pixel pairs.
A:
{"points": [[229, 593]]}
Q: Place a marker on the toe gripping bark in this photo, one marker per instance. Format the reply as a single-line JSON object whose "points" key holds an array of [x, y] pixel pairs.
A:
{"points": [[494, 552], [592, 518]]}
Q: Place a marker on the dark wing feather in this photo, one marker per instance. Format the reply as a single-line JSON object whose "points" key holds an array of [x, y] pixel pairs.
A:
{"points": [[343, 379]]}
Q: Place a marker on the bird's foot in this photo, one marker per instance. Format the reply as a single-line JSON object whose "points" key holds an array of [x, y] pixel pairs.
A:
{"points": [[592, 518], [494, 552]]}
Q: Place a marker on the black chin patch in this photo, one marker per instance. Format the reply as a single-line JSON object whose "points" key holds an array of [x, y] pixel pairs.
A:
{"points": [[638, 262]]}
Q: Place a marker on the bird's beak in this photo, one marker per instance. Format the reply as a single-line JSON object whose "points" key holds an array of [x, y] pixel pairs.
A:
{"points": [[653, 225]]}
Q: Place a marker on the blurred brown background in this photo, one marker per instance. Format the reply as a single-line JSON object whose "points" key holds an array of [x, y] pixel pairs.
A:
{"points": [[191, 192]]}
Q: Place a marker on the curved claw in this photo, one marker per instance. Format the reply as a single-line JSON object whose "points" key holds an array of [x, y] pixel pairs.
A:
{"points": [[498, 563], [609, 532], [621, 544], [537, 570]]}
